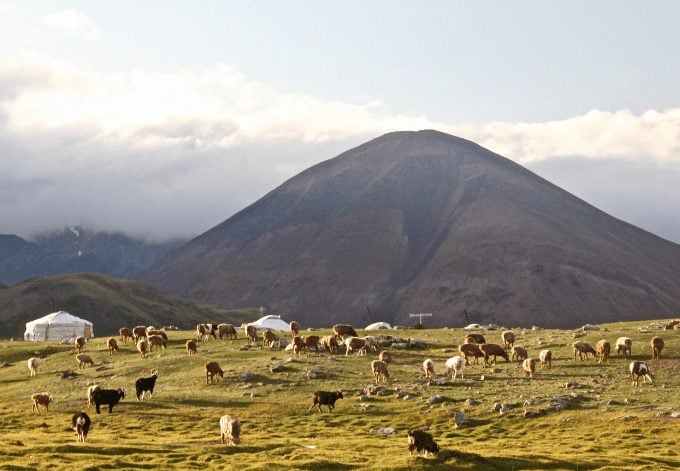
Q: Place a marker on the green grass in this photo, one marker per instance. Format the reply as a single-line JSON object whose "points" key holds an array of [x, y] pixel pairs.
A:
{"points": [[615, 426]]}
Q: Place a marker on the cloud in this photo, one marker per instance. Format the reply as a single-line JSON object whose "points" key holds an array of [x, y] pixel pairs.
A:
{"points": [[71, 22]]}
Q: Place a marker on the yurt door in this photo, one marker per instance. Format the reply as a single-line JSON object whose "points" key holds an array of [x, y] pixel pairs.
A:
{"points": [[87, 331]]}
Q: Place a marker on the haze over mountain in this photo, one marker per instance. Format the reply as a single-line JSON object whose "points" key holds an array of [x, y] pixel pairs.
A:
{"points": [[426, 222]]}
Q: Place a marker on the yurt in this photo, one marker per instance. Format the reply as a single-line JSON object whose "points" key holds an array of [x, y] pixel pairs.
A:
{"points": [[378, 326], [271, 322], [58, 326]]}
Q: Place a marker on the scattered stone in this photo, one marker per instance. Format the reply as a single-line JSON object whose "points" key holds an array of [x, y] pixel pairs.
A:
{"points": [[438, 399], [277, 368], [68, 374], [364, 397], [315, 373], [497, 406], [471, 402], [383, 431], [628, 418], [574, 385], [384, 392], [246, 376], [460, 418], [245, 347], [248, 394], [4, 364], [579, 334], [372, 389], [675, 415], [614, 402]]}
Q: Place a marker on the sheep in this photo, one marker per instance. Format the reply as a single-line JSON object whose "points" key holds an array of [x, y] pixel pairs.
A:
{"points": [[142, 385], [529, 367], [157, 341], [33, 364], [471, 350], [251, 334], [112, 345], [109, 397], [149, 329], [160, 333], [519, 353], [139, 332], [583, 349], [420, 440], [330, 343], [603, 348], [325, 398], [80, 344], [657, 347], [226, 331], [294, 328], [545, 357], [125, 334], [428, 367], [640, 368], [142, 347], [41, 399], [298, 345], [489, 349], [474, 338], [230, 428], [212, 369], [379, 369], [355, 343], [625, 345], [344, 330], [84, 360], [385, 356], [81, 424], [191, 347], [268, 338], [311, 341], [508, 337], [90, 394], [457, 365], [372, 343]]}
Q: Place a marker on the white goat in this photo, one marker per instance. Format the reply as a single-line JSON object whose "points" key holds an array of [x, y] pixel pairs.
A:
{"points": [[457, 364]]}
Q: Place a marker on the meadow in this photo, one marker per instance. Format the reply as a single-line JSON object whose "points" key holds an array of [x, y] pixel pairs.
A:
{"points": [[607, 424]]}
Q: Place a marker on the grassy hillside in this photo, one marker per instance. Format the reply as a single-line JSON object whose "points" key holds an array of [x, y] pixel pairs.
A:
{"points": [[609, 425], [108, 302]]}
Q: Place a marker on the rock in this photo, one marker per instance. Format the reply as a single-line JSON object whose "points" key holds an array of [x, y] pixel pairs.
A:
{"points": [[245, 347], [4, 364], [277, 368], [438, 399], [246, 376], [383, 431], [315, 373], [372, 389], [614, 402], [68, 374], [497, 406], [503, 409], [399, 345], [574, 385], [364, 397], [471, 402], [460, 418], [628, 418], [384, 392], [675, 415]]}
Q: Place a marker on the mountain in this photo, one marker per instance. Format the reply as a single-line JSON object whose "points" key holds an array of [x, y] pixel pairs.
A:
{"points": [[416, 222], [76, 250], [107, 302]]}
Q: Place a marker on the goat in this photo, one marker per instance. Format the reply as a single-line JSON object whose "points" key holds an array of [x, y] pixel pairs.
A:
{"points": [[471, 350], [298, 345], [230, 428], [41, 399], [80, 344], [519, 353], [603, 348], [385, 356], [640, 368], [139, 332], [90, 394], [251, 334], [419, 440], [625, 345], [157, 341], [428, 368], [109, 397], [355, 343], [344, 330], [330, 343], [657, 347], [545, 357], [457, 365], [311, 341], [508, 337], [226, 330], [212, 369], [81, 424], [142, 385], [160, 333], [474, 338], [379, 369], [83, 360], [125, 334], [529, 367], [33, 364], [268, 338], [191, 347], [325, 398], [583, 349], [112, 345], [489, 349], [294, 328], [142, 347]]}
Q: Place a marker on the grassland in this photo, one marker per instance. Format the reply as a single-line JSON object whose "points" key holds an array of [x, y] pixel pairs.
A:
{"points": [[612, 426]]}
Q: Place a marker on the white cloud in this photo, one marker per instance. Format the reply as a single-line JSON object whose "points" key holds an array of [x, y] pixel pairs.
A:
{"points": [[71, 22]]}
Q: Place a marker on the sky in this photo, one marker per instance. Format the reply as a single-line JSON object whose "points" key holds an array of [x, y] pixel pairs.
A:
{"points": [[163, 118]]}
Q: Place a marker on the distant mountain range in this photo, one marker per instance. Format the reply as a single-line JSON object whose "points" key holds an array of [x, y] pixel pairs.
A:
{"points": [[76, 250], [416, 222]]}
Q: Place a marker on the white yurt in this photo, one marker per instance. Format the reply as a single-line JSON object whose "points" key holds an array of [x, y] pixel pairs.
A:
{"points": [[58, 326], [271, 322], [378, 326]]}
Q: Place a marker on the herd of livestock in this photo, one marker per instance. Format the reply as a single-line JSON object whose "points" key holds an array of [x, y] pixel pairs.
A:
{"points": [[475, 346]]}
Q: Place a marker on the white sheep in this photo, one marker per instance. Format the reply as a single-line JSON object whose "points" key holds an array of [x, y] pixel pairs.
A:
{"points": [[428, 367], [33, 364], [230, 428], [457, 365]]}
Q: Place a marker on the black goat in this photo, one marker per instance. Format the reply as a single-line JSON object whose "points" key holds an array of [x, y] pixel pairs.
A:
{"points": [[81, 424], [327, 399], [146, 384], [107, 396], [419, 440]]}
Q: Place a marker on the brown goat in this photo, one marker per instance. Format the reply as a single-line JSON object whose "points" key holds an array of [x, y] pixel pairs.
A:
{"points": [[489, 349], [212, 369], [474, 338], [294, 328], [80, 344], [41, 400], [191, 347], [251, 334], [583, 349], [508, 337], [379, 369], [657, 346], [125, 334], [344, 330], [546, 358], [529, 367], [519, 353], [604, 349], [112, 345], [471, 350]]}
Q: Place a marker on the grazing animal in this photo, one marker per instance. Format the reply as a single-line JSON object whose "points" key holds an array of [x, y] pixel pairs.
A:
{"points": [[604, 349], [298, 345], [311, 341], [474, 338], [519, 353], [81, 424], [471, 350], [212, 369], [355, 343], [142, 385], [294, 328], [125, 334], [157, 341], [385, 356], [457, 365], [251, 334], [625, 345], [41, 400], [330, 343], [344, 330], [428, 368], [489, 349], [230, 429], [325, 398], [379, 369], [112, 345], [226, 331], [191, 347], [109, 397], [150, 333], [640, 369], [545, 358], [90, 394], [529, 367], [508, 337], [33, 364], [80, 344], [657, 347], [139, 332], [268, 338], [142, 347], [583, 349], [83, 360], [420, 440]]}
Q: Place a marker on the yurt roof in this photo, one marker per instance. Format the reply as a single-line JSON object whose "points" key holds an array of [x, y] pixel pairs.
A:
{"points": [[378, 325], [59, 317], [272, 322]]}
